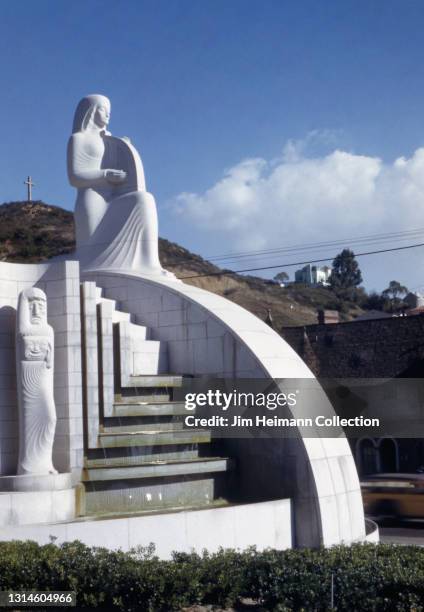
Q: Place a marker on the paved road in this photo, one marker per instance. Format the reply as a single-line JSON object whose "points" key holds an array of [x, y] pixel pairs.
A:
{"points": [[403, 533]]}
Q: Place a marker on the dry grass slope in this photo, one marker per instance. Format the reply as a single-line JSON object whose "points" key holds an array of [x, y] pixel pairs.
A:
{"points": [[33, 232]]}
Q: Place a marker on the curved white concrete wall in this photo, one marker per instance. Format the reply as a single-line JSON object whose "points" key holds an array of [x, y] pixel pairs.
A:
{"points": [[184, 531], [207, 334]]}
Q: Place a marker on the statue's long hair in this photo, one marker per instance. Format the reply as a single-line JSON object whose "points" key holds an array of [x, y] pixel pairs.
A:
{"points": [[86, 109]]}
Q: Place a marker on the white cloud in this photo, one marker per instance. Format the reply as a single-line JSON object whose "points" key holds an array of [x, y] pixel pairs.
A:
{"points": [[298, 199]]}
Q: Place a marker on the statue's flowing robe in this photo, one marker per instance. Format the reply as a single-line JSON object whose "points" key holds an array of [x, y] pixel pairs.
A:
{"points": [[37, 418], [34, 369], [117, 225]]}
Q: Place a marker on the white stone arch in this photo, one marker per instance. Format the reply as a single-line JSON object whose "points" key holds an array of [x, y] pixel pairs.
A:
{"points": [[207, 334]]}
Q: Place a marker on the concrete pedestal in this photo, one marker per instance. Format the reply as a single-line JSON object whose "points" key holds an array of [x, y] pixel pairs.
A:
{"points": [[34, 499], [35, 482]]}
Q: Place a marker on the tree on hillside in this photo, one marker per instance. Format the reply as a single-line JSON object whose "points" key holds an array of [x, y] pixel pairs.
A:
{"points": [[281, 277], [346, 273], [375, 301], [394, 290], [393, 293]]}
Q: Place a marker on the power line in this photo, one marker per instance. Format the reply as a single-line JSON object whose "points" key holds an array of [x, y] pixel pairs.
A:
{"points": [[260, 254], [341, 240], [319, 252], [359, 239], [298, 263]]}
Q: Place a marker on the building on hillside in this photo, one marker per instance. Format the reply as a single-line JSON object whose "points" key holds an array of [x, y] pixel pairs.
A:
{"points": [[326, 316], [313, 275]]}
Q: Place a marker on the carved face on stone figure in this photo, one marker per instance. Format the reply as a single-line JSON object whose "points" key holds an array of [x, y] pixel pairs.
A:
{"points": [[35, 336], [102, 116], [36, 307], [37, 310]]}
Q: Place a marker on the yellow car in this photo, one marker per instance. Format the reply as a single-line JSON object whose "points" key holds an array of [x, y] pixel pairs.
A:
{"points": [[396, 495]]}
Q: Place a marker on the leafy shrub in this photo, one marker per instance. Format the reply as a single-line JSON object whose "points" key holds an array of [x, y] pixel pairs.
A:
{"points": [[366, 577]]}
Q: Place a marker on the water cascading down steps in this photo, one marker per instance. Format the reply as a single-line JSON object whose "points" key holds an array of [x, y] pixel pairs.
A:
{"points": [[143, 459]]}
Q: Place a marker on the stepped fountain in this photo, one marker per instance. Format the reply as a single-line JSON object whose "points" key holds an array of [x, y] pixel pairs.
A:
{"points": [[127, 336]]}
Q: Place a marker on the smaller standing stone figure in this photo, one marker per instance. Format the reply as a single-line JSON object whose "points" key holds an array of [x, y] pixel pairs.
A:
{"points": [[34, 368]]}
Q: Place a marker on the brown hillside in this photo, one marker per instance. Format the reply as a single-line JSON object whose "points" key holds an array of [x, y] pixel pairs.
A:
{"points": [[33, 232]]}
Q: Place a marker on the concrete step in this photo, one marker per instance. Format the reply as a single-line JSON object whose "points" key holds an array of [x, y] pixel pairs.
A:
{"points": [[134, 455], [138, 333], [138, 355], [206, 465], [135, 424], [153, 438], [149, 381], [216, 503], [118, 316], [149, 357], [106, 301], [150, 494], [137, 397], [149, 408]]}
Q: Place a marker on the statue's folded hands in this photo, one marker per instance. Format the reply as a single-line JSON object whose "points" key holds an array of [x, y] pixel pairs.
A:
{"points": [[116, 177]]}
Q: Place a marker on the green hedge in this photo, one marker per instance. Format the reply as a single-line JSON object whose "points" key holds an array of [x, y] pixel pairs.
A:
{"points": [[366, 577]]}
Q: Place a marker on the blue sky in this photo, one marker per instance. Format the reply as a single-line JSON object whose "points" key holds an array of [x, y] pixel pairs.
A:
{"points": [[320, 98]]}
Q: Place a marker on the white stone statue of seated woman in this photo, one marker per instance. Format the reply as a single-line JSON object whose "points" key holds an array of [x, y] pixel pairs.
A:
{"points": [[115, 217]]}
